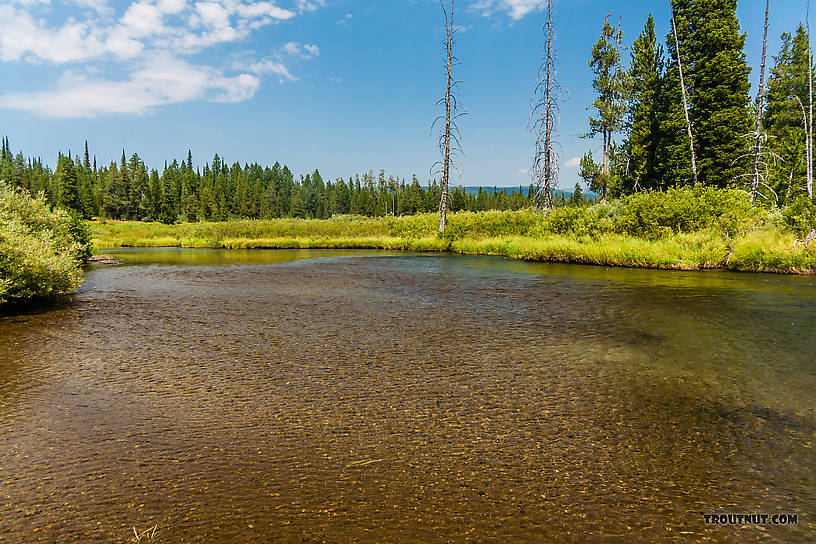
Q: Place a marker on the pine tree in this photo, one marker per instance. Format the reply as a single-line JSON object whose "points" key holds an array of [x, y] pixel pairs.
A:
{"points": [[298, 209], [577, 197], [169, 208], [154, 198], [139, 188], [716, 73], [645, 72], [65, 179], [672, 163], [609, 84], [786, 115]]}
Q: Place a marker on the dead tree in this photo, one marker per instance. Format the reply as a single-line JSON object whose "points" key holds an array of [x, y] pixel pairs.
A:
{"points": [[543, 117], [806, 122], [685, 100], [809, 127], [758, 135], [449, 139]]}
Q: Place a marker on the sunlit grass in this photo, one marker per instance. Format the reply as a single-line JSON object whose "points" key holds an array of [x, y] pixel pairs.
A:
{"points": [[148, 535], [512, 234]]}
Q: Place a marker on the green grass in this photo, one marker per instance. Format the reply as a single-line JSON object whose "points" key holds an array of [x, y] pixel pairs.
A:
{"points": [[522, 234]]}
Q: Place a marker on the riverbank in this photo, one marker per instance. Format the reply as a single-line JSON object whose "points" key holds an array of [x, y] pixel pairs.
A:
{"points": [[524, 235]]}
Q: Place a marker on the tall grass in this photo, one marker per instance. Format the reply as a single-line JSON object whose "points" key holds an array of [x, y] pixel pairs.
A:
{"points": [[686, 228]]}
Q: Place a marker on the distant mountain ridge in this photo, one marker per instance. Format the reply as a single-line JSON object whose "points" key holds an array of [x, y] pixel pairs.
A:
{"points": [[474, 190]]}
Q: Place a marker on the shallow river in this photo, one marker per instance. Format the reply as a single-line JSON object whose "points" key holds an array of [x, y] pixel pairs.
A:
{"points": [[311, 396]]}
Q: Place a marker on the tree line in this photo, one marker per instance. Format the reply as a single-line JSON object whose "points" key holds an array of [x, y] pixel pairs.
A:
{"points": [[680, 113], [128, 190]]}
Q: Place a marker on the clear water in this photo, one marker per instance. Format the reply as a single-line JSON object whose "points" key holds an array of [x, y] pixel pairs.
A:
{"points": [[310, 396]]}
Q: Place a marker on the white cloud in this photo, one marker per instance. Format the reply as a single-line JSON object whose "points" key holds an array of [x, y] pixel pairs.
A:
{"points": [[523, 172], [235, 89], [23, 38], [276, 64], [516, 9], [301, 50], [143, 19], [161, 24], [171, 6], [272, 67], [153, 37], [160, 81], [123, 46], [573, 162], [309, 5], [100, 6]]}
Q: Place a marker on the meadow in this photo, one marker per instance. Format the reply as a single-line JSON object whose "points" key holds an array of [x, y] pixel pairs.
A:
{"points": [[685, 229]]}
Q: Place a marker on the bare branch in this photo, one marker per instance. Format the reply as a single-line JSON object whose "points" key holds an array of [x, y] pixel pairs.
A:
{"points": [[685, 99], [449, 139], [543, 118]]}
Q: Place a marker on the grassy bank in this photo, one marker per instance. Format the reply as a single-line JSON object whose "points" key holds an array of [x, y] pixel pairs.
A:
{"points": [[686, 229], [41, 249]]}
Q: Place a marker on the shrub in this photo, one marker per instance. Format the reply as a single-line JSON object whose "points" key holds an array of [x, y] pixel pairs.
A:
{"points": [[490, 223], [800, 216], [41, 249], [655, 214]]}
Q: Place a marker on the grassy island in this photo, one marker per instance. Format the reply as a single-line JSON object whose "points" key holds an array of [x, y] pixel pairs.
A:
{"points": [[684, 229]]}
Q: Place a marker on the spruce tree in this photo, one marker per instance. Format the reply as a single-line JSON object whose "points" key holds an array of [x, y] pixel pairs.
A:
{"points": [[645, 74], [154, 198], [66, 182], [298, 209], [672, 162], [786, 116], [713, 54], [609, 84]]}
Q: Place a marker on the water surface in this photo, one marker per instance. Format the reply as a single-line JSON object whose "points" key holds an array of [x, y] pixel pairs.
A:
{"points": [[310, 396]]}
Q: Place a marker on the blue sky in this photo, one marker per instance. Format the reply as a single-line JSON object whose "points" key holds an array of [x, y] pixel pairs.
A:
{"points": [[343, 86]]}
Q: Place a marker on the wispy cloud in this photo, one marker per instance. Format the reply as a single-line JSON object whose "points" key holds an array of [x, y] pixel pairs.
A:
{"points": [[276, 64], [160, 81], [309, 5], [516, 9], [573, 162], [149, 38]]}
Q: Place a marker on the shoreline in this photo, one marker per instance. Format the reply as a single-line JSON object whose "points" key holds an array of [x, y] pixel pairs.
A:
{"points": [[609, 251]]}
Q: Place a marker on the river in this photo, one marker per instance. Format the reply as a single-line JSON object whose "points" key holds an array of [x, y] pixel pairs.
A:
{"points": [[341, 396]]}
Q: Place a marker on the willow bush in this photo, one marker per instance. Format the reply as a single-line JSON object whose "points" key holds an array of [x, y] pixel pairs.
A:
{"points": [[41, 249]]}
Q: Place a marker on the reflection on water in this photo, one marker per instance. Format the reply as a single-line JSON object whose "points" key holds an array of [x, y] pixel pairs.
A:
{"points": [[308, 396]]}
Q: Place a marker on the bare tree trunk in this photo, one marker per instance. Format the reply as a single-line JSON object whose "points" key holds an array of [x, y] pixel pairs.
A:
{"points": [[807, 141], [446, 137], [685, 101], [760, 102], [545, 163], [548, 149], [809, 128]]}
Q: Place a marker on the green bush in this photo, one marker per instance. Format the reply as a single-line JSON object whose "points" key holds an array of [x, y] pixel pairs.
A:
{"points": [[41, 249], [654, 214], [800, 216]]}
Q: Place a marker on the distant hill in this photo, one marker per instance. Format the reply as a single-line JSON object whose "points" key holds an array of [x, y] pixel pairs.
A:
{"points": [[510, 190]]}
